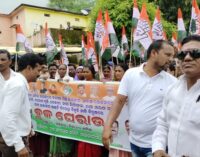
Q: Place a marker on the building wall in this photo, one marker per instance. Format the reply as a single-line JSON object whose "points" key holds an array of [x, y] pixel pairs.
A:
{"points": [[32, 21], [18, 18], [5, 31], [36, 19]]}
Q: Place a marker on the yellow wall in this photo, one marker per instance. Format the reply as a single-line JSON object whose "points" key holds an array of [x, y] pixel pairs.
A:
{"points": [[34, 17], [31, 19]]}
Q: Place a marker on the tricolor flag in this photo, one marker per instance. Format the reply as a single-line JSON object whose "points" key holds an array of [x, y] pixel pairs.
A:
{"points": [[91, 54], [124, 45], [195, 19], [164, 36], [142, 34], [114, 43], [135, 17], [99, 32], [50, 46], [63, 55], [157, 28], [105, 50], [181, 27], [136, 14], [84, 50], [22, 42], [174, 39]]}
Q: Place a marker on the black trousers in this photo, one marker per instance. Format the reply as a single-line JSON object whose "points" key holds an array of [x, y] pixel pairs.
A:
{"points": [[9, 151]]}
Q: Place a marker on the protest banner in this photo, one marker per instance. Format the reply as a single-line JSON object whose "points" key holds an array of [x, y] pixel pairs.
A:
{"points": [[77, 110]]}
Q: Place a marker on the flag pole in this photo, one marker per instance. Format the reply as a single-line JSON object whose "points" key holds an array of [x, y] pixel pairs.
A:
{"points": [[112, 62], [16, 61], [100, 66], [117, 60], [134, 59], [131, 48], [113, 67]]}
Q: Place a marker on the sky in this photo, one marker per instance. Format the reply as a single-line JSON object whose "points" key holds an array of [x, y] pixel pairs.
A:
{"points": [[8, 6]]}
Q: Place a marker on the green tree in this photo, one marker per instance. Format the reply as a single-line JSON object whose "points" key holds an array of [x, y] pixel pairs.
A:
{"points": [[71, 5], [120, 12]]}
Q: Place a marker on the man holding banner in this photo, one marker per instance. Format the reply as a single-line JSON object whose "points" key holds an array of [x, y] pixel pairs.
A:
{"points": [[15, 124], [144, 88]]}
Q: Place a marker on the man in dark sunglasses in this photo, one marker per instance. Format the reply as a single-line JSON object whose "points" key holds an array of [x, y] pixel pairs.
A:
{"points": [[178, 124], [194, 53]]}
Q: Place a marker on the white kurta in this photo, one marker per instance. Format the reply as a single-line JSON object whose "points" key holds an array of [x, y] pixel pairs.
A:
{"points": [[145, 95], [15, 117], [178, 125]]}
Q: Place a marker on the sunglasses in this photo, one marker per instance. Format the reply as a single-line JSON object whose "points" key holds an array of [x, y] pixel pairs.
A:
{"points": [[195, 54]]}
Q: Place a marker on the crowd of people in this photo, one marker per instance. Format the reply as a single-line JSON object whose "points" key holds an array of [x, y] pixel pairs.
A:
{"points": [[161, 94]]}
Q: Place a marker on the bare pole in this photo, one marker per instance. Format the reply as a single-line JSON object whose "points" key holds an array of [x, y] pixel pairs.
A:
{"points": [[100, 66], [16, 60], [132, 42], [117, 60], [131, 48]]}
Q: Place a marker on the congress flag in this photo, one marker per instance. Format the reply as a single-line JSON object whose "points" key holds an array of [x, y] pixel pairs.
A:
{"points": [[157, 28], [99, 32], [84, 50], [51, 49], [22, 42], [114, 43], [143, 30], [63, 55], [91, 54], [181, 27], [124, 45], [136, 14], [195, 19]]}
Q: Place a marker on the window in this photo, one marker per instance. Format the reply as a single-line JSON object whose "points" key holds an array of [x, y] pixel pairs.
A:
{"points": [[47, 15], [61, 27], [77, 19]]}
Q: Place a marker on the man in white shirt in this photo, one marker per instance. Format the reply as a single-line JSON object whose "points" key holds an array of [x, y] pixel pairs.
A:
{"points": [[15, 116], [5, 72], [72, 70], [144, 88], [52, 68], [5, 62], [178, 125]]}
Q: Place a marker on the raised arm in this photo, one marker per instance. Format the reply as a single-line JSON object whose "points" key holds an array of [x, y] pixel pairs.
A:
{"points": [[112, 116]]}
